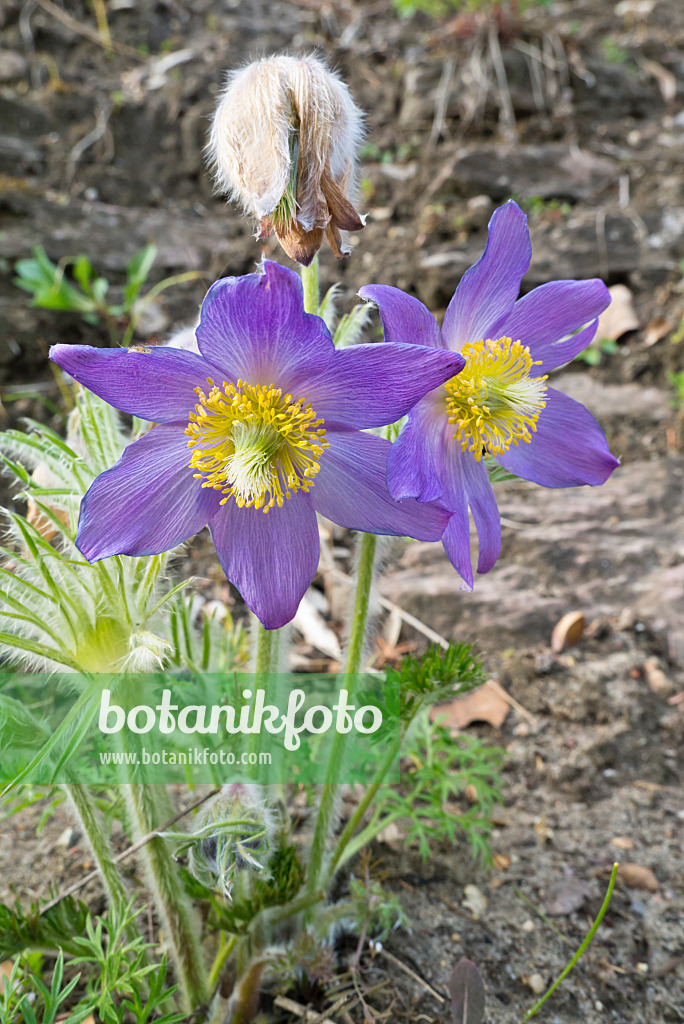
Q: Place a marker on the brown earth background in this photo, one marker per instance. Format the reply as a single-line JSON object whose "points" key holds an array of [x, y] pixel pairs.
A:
{"points": [[576, 111]]}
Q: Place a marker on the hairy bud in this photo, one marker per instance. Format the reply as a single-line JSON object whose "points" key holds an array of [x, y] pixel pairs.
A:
{"points": [[283, 142], [234, 833]]}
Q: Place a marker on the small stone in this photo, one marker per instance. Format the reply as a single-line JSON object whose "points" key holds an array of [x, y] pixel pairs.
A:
{"points": [[656, 678], [475, 901], [622, 842], [66, 838], [536, 983], [12, 65], [501, 862], [528, 925]]}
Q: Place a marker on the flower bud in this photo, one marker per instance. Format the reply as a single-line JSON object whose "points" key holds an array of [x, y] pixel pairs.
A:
{"points": [[235, 832], [283, 142]]}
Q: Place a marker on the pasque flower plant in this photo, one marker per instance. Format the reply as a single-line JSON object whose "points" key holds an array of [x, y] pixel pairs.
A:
{"points": [[253, 436], [500, 405]]}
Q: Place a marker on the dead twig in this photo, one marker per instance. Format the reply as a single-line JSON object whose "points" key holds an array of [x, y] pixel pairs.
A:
{"points": [[493, 685], [443, 93], [93, 136], [407, 970], [507, 113], [308, 1016], [87, 32], [127, 852]]}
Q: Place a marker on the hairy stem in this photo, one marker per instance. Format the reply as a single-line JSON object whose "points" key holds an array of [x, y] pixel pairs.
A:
{"points": [[227, 944], [178, 918], [364, 578], [84, 808], [357, 816], [325, 822], [264, 648], [310, 285]]}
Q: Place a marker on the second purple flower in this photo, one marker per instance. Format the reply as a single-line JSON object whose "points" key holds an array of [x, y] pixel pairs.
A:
{"points": [[501, 404]]}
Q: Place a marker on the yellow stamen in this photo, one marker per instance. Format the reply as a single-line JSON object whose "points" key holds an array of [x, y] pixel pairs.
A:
{"points": [[254, 444], [493, 401]]}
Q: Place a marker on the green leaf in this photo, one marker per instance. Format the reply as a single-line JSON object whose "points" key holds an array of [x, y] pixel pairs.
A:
{"points": [[71, 729], [83, 272], [137, 272]]}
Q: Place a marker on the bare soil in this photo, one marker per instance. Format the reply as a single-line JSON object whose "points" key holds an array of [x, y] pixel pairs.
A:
{"points": [[575, 110]]}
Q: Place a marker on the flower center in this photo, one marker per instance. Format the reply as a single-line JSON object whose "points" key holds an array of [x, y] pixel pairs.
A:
{"points": [[253, 443], [493, 401]]}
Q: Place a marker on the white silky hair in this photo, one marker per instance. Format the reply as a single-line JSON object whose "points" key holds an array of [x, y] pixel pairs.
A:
{"points": [[260, 108]]}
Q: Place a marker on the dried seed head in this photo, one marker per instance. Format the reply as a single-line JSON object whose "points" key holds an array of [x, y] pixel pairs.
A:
{"points": [[283, 142]]}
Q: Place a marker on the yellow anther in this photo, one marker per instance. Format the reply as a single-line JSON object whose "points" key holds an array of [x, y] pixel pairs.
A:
{"points": [[254, 444], [494, 402]]}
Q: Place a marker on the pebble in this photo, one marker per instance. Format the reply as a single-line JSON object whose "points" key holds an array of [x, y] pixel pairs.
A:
{"points": [[12, 65]]}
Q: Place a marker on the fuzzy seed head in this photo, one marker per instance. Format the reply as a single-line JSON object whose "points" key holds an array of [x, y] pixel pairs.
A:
{"points": [[284, 143]]}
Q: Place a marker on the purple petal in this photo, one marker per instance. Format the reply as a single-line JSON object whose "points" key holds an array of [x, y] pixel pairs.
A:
{"points": [[270, 557], [548, 314], [488, 290], [456, 539], [371, 385], [255, 328], [351, 490], [155, 383], [404, 318], [462, 473], [148, 502], [414, 464], [568, 448]]}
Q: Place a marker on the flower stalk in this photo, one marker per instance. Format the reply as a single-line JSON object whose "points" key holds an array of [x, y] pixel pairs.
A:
{"points": [[327, 812], [178, 918], [84, 809], [311, 287]]}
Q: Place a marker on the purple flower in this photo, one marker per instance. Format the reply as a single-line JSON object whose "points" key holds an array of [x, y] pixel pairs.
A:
{"points": [[500, 404], [265, 419]]}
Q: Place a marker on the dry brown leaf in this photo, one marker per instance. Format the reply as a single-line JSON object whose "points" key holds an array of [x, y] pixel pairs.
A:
{"points": [[313, 627], [667, 83], [6, 969], [501, 861], [567, 631], [565, 896], [481, 705], [390, 836], [638, 877], [620, 317], [657, 329]]}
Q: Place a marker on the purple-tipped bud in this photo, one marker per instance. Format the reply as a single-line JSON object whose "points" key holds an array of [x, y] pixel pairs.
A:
{"points": [[284, 142]]}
